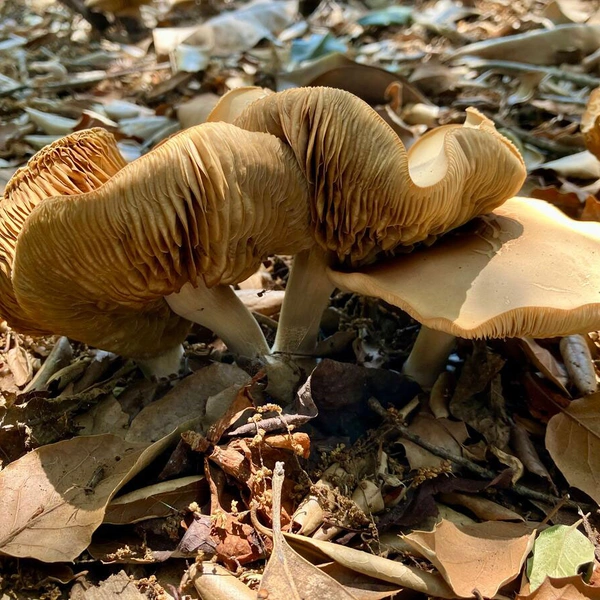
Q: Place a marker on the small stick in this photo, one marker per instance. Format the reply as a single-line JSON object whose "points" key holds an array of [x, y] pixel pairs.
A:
{"points": [[465, 463]]}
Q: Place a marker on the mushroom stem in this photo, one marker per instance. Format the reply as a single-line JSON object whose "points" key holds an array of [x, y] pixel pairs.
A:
{"points": [[220, 310], [164, 365], [428, 357], [306, 297]]}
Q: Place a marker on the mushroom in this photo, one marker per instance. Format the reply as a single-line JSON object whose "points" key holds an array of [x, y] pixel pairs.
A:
{"points": [[368, 195], [525, 270], [75, 164], [126, 266]]}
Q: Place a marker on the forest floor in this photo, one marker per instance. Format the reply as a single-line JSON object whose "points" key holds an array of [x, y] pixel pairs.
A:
{"points": [[488, 485]]}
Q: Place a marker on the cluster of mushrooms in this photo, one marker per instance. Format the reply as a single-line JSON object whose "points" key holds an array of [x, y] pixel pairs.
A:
{"points": [[124, 256]]}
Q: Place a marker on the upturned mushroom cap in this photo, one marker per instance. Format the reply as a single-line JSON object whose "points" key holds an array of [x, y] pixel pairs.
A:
{"points": [[368, 194], [526, 270], [206, 206], [75, 164]]}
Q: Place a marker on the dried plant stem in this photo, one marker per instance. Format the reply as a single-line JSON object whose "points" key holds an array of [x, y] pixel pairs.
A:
{"points": [[465, 463]]}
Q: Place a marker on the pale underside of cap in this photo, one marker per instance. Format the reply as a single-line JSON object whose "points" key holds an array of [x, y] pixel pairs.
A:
{"points": [[205, 207], [368, 194], [75, 164], [527, 271]]}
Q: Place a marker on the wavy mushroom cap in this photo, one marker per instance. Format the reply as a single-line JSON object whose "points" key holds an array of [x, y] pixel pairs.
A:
{"points": [[368, 194], [205, 206], [75, 164], [526, 271]]}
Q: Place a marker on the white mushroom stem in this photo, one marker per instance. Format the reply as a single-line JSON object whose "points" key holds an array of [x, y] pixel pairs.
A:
{"points": [[429, 356], [220, 310], [306, 297], [164, 365]]}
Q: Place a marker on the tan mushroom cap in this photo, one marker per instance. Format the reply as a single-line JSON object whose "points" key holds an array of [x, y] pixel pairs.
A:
{"points": [[368, 194], [75, 164], [526, 271], [205, 206], [590, 123]]}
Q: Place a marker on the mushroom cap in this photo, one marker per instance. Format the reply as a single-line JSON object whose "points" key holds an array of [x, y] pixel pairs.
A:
{"points": [[368, 194], [526, 270], [206, 206], [75, 164], [234, 102]]}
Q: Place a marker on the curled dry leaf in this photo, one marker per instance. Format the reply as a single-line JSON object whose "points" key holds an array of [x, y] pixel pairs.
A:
{"points": [[492, 554], [19, 362], [55, 496], [214, 582], [538, 47], [579, 364], [573, 441], [377, 567]]}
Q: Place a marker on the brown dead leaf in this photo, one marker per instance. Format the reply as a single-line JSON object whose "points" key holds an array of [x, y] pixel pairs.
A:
{"points": [[579, 364], [565, 588], [573, 440], [491, 554], [527, 454], [264, 302], [443, 433], [360, 586], [537, 47], [116, 586], [158, 500], [55, 497], [379, 568], [187, 401], [590, 125], [591, 209], [19, 363], [483, 508], [287, 575], [551, 368], [214, 582]]}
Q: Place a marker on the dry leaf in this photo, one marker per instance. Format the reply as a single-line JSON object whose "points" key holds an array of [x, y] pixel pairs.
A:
{"points": [[19, 362], [537, 47], [55, 497], [374, 566], [578, 362], [482, 507], [491, 554], [187, 401], [443, 433], [566, 588], [573, 440], [287, 575], [546, 363], [214, 582], [590, 126], [158, 500], [116, 586], [263, 302]]}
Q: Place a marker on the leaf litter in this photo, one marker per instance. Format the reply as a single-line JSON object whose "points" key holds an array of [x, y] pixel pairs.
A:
{"points": [[503, 436]]}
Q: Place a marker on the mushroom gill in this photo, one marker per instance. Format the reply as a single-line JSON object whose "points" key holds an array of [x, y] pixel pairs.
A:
{"points": [[75, 164], [119, 266], [368, 195]]}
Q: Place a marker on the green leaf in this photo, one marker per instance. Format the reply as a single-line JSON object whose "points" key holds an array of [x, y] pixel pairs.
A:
{"points": [[559, 551], [393, 15]]}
